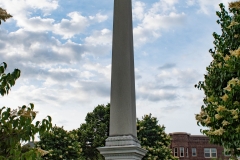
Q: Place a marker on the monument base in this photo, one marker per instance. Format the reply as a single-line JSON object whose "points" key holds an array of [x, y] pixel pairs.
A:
{"points": [[122, 148]]}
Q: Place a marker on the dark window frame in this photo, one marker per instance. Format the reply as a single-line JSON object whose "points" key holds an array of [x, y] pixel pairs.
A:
{"points": [[175, 151], [181, 151], [194, 154], [211, 152]]}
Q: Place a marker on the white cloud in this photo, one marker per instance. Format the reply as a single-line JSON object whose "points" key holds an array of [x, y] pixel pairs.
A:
{"points": [[190, 2], [138, 10], [171, 2], [86, 75], [153, 24], [103, 70], [207, 6], [102, 37], [167, 85], [22, 11], [161, 16], [182, 78], [63, 70], [77, 24], [98, 18], [155, 94], [163, 6], [22, 7], [68, 28], [51, 96], [99, 42], [38, 48], [36, 24]]}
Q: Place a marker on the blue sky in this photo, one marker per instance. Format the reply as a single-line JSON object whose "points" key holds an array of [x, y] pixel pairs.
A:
{"points": [[63, 48]]}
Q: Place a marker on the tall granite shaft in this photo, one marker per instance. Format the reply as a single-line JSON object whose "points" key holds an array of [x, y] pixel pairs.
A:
{"points": [[123, 106], [122, 143]]}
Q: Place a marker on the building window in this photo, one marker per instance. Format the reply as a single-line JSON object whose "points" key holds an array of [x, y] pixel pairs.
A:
{"points": [[175, 152], [186, 152], [210, 152], [181, 151], [194, 152]]}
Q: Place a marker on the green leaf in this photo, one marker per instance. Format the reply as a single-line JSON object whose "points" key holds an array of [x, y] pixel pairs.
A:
{"points": [[5, 65], [49, 119], [31, 106]]}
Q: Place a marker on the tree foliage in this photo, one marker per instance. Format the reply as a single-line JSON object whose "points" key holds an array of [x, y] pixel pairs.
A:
{"points": [[4, 15], [61, 144], [154, 139], [220, 112], [16, 127], [7, 80], [94, 132]]}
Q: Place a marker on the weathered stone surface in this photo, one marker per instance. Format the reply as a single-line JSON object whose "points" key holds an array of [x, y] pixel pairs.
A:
{"points": [[123, 107], [122, 141], [129, 152]]}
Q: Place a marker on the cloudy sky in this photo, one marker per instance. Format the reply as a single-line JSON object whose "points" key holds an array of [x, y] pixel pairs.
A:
{"points": [[63, 48]]}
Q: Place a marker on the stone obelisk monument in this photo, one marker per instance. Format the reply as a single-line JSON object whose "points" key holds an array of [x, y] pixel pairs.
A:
{"points": [[122, 142]]}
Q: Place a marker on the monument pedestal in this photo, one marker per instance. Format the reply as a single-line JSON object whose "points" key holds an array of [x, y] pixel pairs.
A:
{"points": [[122, 148]]}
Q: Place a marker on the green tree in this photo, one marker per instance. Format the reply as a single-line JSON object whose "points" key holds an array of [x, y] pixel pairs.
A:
{"points": [[94, 132], [4, 15], [7, 80], [154, 139], [220, 112], [61, 144], [16, 127]]}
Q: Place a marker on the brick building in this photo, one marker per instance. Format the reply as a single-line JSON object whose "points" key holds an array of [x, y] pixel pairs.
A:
{"points": [[195, 147]]}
